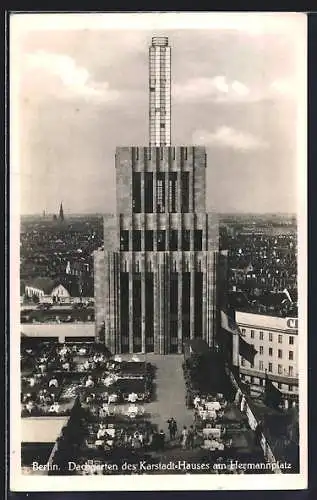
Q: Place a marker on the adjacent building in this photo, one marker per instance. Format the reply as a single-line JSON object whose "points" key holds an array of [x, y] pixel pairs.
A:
{"points": [[276, 342]]}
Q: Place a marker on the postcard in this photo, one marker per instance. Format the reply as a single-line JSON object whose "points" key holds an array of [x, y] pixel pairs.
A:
{"points": [[158, 251]]}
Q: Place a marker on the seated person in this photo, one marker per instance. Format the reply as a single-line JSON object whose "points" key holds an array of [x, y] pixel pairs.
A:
{"points": [[118, 359], [86, 365], [104, 410], [113, 398], [110, 433], [133, 397], [132, 411], [32, 382], [42, 367], [196, 401], [82, 351], [203, 414], [101, 433], [53, 382], [54, 408], [108, 380], [138, 435], [90, 398], [89, 382], [29, 406], [66, 366]]}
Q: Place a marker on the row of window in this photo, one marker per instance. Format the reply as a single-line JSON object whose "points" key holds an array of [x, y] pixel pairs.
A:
{"points": [[261, 336], [162, 245], [165, 183], [159, 153], [280, 370], [279, 353]]}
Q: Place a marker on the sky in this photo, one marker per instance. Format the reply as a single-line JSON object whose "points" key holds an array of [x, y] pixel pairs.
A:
{"points": [[79, 90]]}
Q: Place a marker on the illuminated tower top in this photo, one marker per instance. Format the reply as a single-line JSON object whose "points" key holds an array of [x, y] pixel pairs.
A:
{"points": [[160, 92]]}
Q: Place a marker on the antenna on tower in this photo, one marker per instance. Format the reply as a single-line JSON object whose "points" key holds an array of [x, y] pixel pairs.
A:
{"points": [[160, 92]]}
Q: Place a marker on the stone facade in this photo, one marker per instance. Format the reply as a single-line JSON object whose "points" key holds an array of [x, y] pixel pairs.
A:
{"points": [[156, 279]]}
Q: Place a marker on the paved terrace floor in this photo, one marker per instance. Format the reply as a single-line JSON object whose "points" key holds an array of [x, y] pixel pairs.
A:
{"points": [[169, 395]]}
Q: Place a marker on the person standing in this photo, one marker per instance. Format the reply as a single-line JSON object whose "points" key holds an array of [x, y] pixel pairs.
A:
{"points": [[184, 440], [162, 439], [172, 427], [191, 437]]}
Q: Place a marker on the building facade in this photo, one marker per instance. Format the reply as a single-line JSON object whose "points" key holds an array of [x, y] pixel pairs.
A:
{"points": [[276, 342], [156, 278]]}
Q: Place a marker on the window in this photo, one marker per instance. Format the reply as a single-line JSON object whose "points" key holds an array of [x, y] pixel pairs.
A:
{"points": [[270, 336], [279, 385], [252, 380], [160, 192], [124, 241], [280, 339], [186, 240], [185, 192], [260, 365], [290, 388], [242, 362], [148, 192], [270, 367], [261, 335], [280, 353], [173, 243], [198, 240], [261, 349], [290, 355], [161, 244], [290, 371], [148, 236], [279, 369], [291, 340], [270, 351], [172, 191], [136, 241], [252, 334], [243, 332], [136, 192]]}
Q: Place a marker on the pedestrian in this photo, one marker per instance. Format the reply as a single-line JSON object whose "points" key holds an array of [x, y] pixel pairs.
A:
{"points": [[172, 427], [184, 437], [161, 439], [191, 437]]}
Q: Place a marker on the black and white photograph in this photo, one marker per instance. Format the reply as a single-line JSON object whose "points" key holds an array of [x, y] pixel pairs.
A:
{"points": [[158, 251]]}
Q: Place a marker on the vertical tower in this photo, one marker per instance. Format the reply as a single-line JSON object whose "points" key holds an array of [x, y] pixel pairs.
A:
{"points": [[156, 279], [160, 92]]}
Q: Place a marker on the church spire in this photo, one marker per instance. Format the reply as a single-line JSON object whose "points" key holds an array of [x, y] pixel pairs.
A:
{"points": [[61, 212]]}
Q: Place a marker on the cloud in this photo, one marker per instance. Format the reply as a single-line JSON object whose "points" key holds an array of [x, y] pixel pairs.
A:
{"points": [[227, 137], [283, 87], [72, 80], [217, 88]]}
